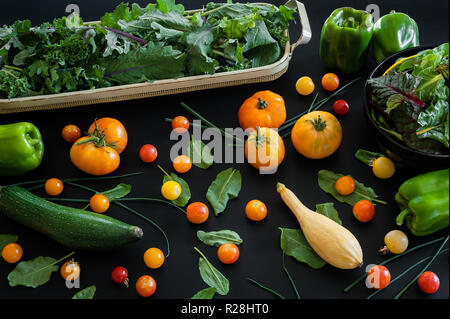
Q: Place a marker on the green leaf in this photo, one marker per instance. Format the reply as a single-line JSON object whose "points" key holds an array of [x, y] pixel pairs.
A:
{"points": [[185, 190], [327, 181], [211, 276], [207, 293], [294, 244], [367, 157], [225, 187], [122, 12], [260, 46], [169, 5], [200, 154], [153, 62], [217, 238], [33, 273], [86, 293], [327, 209], [117, 192], [198, 44], [6, 239]]}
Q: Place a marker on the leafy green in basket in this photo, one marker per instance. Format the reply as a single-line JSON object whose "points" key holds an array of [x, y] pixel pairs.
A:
{"points": [[6, 239], [327, 181], [217, 238], [226, 186], [211, 276], [294, 244], [86, 293], [207, 293]]}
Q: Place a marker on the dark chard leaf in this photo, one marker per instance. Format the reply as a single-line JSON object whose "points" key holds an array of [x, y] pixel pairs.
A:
{"points": [[260, 46], [225, 187], [33, 273], [6, 239], [117, 192], [185, 193], [217, 238], [327, 181], [211, 276], [152, 62], [86, 293], [200, 154], [207, 293]]}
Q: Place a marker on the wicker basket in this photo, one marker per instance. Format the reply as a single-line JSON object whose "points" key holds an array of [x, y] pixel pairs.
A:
{"points": [[164, 87]]}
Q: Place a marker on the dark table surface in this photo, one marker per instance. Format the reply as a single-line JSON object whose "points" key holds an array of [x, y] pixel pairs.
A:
{"points": [[260, 258]]}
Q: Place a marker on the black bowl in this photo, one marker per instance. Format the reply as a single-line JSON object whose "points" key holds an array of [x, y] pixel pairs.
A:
{"points": [[398, 151]]}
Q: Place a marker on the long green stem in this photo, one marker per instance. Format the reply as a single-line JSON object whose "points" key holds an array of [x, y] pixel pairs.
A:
{"points": [[265, 288], [130, 210], [363, 276], [406, 271], [289, 277], [423, 269]]}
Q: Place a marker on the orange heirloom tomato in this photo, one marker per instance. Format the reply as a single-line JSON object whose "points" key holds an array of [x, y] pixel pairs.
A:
{"points": [[263, 109], [264, 149], [114, 132], [317, 135], [94, 159]]}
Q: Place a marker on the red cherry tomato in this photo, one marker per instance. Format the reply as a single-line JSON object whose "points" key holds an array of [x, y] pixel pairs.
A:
{"points": [[341, 107], [197, 213], [378, 277], [180, 124], [364, 211], [428, 282], [148, 153], [120, 275]]}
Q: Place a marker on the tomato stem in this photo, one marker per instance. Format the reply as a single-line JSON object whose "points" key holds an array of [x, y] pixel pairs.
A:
{"points": [[261, 104], [318, 123]]}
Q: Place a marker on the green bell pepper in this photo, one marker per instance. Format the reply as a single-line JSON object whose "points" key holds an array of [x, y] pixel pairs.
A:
{"points": [[424, 203], [345, 39], [393, 33], [21, 148]]}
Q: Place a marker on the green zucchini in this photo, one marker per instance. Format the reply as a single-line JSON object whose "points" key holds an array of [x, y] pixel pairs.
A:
{"points": [[71, 227]]}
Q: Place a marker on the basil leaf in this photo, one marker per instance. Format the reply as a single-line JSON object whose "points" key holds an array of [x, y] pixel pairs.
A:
{"points": [[294, 244], [185, 190], [117, 192], [6, 239], [217, 238], [226, 186], [327, 181], [33, 273], [200, 154], [212, 277], [207, 293], [86, 293]]}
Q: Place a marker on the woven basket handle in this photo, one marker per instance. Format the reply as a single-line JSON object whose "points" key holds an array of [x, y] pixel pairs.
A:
{"points": [[306, 34]]}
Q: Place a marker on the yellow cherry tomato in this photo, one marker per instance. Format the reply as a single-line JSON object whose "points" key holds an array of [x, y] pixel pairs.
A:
{"points": [[383, 167], [171, 190], [99, 203], [154, 258], [54, 187], [305, 85], [12, 253]]}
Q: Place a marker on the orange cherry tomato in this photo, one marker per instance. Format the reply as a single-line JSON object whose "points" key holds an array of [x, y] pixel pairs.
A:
{"points": [[197, 213], [182, 164], [330, 82], [154, 258], [71, 133], [228, 253], [114, 131], [180, 124], [70, 270], [99, 203], [364, 211], [54, 187], [256, 210], [345, 185], [93, 159], [378, 277], [12, 253], [145, 286]]}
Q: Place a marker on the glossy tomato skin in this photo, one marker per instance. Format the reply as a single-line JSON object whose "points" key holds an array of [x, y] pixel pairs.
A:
{"points": [[71, 133], [364, 211], [305, 86], [54, 186], [171, 190], [341, 107], [145, 286], [99, 203], [114, 132], [148, 153], [182, 164], [120, 275], [180, 124], [428, 282], [228, 253], [256, 210], [154, 258], [268, 154], [70, 268], [12, 253], [197, 213], [316, 143], [345, 185], [378, 277], [330, 82], [94, 160]]}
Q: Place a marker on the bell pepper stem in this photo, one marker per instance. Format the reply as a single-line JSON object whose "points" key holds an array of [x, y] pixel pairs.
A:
{"points": [[401, 217]]}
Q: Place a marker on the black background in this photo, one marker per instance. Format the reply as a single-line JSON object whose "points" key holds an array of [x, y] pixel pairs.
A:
{"points": [[260, 258]]}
